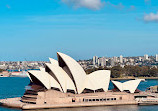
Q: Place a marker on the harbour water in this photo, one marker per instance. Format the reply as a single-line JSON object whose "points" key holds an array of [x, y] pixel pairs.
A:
{"points": [[15, 87]]}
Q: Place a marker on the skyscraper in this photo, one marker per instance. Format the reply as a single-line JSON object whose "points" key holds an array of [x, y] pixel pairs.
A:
{"points": [[103, 61], [95, 60], [112, 63], [115, 59], [156, 57], [99, 61], [121, 59], [146, 57]]}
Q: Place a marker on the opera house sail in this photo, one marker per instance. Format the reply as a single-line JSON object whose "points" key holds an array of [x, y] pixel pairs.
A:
{"points": [[130, 86], [64, 83]]}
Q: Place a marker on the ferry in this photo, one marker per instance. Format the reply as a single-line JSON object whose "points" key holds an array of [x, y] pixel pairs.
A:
{"points": [[148, 101]]}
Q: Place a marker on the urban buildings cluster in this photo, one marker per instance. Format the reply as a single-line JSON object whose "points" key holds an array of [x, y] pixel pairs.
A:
{"points": [[96, 61], [20, 65]]}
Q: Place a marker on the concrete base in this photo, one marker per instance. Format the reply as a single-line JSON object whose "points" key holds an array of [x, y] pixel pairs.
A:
{"points": [[16, 103], [12, 102]]}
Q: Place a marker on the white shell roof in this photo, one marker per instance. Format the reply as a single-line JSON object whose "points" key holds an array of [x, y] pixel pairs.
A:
{"points": [[42, 69], [97, 80], [28, 75], [130, 85], [77, 81], [47, 80], [53, 61], [62, 76], [76, 70]]}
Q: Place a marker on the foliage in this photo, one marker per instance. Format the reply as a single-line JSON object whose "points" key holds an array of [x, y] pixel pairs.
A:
{"points": [[1, 70], [136, 71]]}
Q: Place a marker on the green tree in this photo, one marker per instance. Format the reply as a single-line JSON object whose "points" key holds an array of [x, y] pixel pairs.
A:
{"points": [[1, 70], [116, 72], [153, 72]]}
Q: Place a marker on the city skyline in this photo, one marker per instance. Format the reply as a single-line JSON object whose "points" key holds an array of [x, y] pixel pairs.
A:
{"points": [[35, 30], [95, 62], [145, 56]]}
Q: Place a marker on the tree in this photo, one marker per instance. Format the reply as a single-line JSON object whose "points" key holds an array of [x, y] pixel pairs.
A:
{"points": [[116, 72], [153, 72], [1, 70]]}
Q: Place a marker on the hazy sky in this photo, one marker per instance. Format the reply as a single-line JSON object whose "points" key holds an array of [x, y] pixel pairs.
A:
{"points": [[37, 29]]}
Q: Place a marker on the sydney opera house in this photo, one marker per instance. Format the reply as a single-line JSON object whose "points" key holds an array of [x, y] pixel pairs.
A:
{"points": [[65, 77], [64, 83]]}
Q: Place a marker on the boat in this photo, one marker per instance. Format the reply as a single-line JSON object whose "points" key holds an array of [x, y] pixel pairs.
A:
{"points": [[19, 74], [5, 74], [148, 101]]}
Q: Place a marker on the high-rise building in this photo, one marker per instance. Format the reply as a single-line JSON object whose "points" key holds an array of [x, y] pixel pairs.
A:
{"points": [[112, 62], [115, 59], [156, 57], [102, 61], [99, 61], [146, 57], [140, 59], [95, 60], [121, 59]]}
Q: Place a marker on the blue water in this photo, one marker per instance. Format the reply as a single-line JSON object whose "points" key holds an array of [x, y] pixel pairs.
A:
{"points": [[15, 87]]}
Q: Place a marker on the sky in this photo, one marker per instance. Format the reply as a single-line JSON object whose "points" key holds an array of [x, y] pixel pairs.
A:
{"points": [[34, 30]]}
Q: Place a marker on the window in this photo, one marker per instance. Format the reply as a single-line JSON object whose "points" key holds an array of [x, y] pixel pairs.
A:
{"points": [[97, 99], [73, 100]]}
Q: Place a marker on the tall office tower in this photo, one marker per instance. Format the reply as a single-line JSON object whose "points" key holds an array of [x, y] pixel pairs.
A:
{"points": [[95, 60], [102, 61], [112, 63], [156, 57], [121, 59], [115, 59], [99, 61], [146, 57]]}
